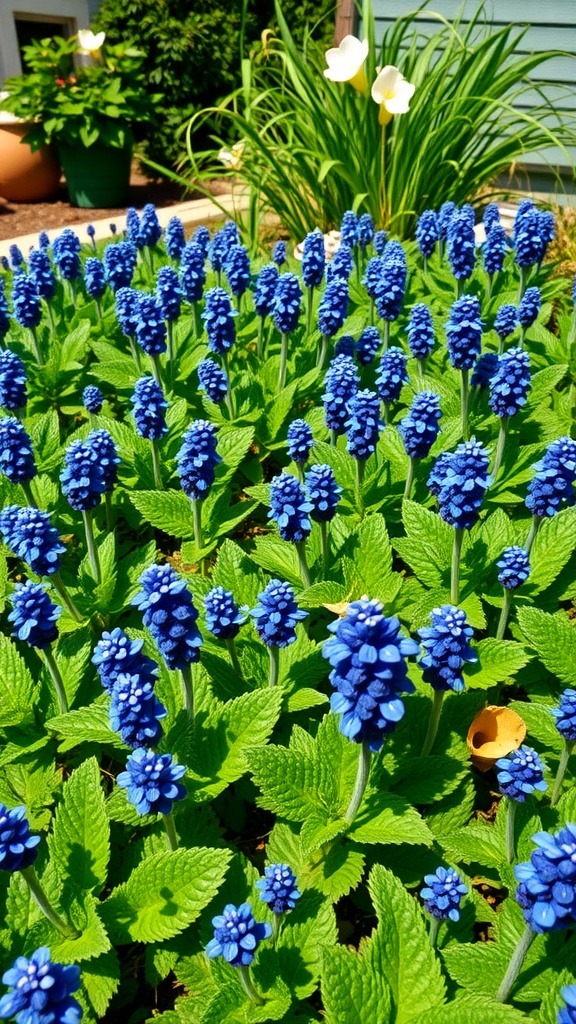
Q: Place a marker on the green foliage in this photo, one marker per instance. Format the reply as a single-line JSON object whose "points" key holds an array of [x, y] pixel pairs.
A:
{"points": [[101, 102], [298, 130]]}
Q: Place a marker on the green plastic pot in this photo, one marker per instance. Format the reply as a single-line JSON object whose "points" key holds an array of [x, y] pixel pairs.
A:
{"points": [[97, 176]]}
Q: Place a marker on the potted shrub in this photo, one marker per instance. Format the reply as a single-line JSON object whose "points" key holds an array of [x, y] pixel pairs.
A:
{"points": [[86, 99]]}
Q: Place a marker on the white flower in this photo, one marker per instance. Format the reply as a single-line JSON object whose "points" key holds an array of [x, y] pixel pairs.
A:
{"points": [[392, 92], [88, 43], [232, 157], [346, 63]]}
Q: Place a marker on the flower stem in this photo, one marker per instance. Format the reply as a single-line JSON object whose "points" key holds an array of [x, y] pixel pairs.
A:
{"points": [[455, 570], [90, 544], [135, 354], [409, 479], [371, 312], [361, 782], [197, 321], [188, 687], [56, 580], [234, 656], [500, 446], [99, 308], [309, 308], [229, 395], [564, 757], [522, 284], [464, 399], [386, 335], [333, 438], [515, 965], [304, 571], [26, 486], [109, 516], [170, 336], [532, 534], [274, 653], [324, 544], [360, 467], [276, 928], [322, 351], [510, 830], [248, 986], [57, 680], [503, 621], [171, 834], [31, 878], [459, 287], [433, 931], [283, 360], [156, 373], [197, 516], [434, 722], [36, 346], [156, 466], [420, 366]]}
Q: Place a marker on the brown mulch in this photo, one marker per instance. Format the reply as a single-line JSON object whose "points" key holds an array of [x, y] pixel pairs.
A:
{"points": [[25, 218]]}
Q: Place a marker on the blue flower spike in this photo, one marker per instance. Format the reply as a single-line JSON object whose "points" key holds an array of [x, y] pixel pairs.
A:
{"points": [[367, 654], [289, 508], [442, 895], [41, 992], [565, 716], [546, 893], [519, 775], [152, 783], [276, 616], [34, 617], [224, 619], [447, 649], [237, 936], [279, 890]]}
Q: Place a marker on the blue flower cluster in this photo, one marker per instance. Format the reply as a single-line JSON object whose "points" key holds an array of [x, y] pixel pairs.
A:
{"points": [[33, 615], [547, 889], [218, 317], [192, 271], [533, 232], [279, 253], [150, 325], [419, 428], [364, 230], [152, 781], [82, 478], [168, 293], [392, 375], [420, 331], [367, 345], [237, 935], [340, 266], [510, 384], [170, 615], [567, 1015], [494, 248], [277, 614], [174, 238], [264, 290], [443, 894], [341, 385], [313, 259], [464, 332], [223, 617], [279, 888], [363, 425], [427, 232], [565, 715], [345, 346], [126, 311], [289, 508], [119, 264], [213, 380], [392, 283], [447, 645], [197, 459], [135, 711], [92, 399], [41, 991], [505, 321], [300, 440], [520, 774], [114, 655], [287, 299], [461, 244], [17, 846], [237, 269], [529, 307], [514, 565], [369, 673], [149, 408], [554, 479], [26, 301], [323, 493], [12, 381], [29, 533], [460, 480], [484, 369], [94, 277], [333, 307], [66, 249], [41, 272], [105, 455], [349, 227]]}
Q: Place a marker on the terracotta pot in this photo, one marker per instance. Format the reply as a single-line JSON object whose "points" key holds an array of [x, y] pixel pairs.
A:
{"points": [[25, 177], [494, 733]]}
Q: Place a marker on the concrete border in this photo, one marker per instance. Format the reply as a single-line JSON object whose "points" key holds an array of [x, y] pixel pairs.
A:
{"points": [[191, 213]]}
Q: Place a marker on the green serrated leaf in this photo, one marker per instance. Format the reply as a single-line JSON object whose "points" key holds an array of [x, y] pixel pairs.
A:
{"points": [[80, 840], [498, 660], [164, 894], [553, 637], [169, 511]]}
